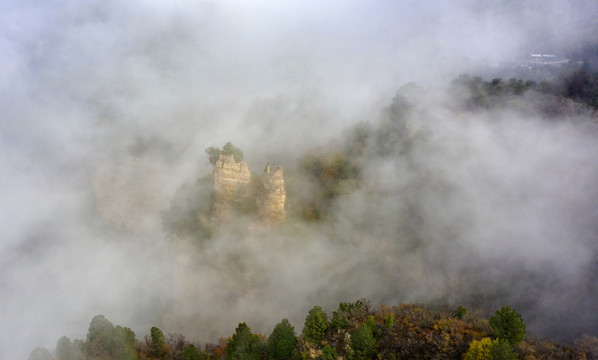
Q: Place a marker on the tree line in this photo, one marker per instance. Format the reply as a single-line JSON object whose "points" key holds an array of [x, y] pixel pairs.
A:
{"points": [[354, 331]]}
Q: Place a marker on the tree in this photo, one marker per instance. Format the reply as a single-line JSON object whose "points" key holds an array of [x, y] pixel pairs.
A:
{"points": [[191, 353], [479, 350], [158, 347], [100, 337], [363, 343], [99, 328], [213, 154], [67, 350], [589, 345], [390, 321], [282, 341], [488, 349], [461, 312], [103, 340], [125, 343], [230, 149], [340, 317], [502, 350], [63, 348], [227, 149], [508, 324], [244, 345], [40, 353], [316, 324], [328, 353], [370, 322]]}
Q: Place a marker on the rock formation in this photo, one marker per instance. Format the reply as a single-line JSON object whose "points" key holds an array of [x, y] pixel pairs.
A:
{"points": [[233, 190], [231, 185], [272, 196]]}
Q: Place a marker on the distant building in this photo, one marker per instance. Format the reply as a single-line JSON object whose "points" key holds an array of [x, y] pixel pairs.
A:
{"points": [[546, 60]]}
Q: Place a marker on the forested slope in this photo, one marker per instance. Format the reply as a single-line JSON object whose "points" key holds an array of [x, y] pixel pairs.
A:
{"points": [[353, 331]]}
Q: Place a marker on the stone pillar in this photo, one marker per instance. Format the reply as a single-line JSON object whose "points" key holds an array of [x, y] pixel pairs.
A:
{"points": [[231, 183], [271, 199]]}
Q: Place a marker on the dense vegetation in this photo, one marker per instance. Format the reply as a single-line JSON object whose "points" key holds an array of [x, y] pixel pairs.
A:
{"points": [[355, 331], [573, 94], [227, 149]]}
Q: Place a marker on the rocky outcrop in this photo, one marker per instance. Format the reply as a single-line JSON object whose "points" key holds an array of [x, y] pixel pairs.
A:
{"points": [[231, 185], [233, 190], [272, 196]]}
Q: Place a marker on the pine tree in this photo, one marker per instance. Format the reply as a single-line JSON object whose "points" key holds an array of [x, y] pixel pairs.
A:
{"points": [[282, 341], [508, 324], [158, 349], [316, 324], [363, 344], [191, 353], [244, 345]]}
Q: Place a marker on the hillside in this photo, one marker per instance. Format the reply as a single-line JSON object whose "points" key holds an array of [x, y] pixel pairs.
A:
{"points": [[209, 168], [448, 195], [353, 331]]}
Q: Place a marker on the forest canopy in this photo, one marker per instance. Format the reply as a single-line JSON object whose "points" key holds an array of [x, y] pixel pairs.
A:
{"points": [[416, 332]]}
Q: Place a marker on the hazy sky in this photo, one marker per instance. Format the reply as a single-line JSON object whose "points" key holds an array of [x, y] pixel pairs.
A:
{"points": [[82, 81]]}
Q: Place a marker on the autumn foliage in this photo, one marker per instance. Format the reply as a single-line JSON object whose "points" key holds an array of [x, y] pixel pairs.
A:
{"points": [[356, 331]]}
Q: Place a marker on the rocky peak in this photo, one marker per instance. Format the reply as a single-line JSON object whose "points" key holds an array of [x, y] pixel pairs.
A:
{"points": [[272, 196], [231, 185], [233, 189]]}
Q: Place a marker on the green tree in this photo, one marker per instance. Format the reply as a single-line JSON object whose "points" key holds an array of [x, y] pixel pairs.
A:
{"points": [[244, 345], [227, 149], [340, 317], [230, 149], [100, 327], [125, 343], [363, 344], [282, 341], [328, 353], [103, 340], [370, 322], [63, 348], [508, 324], [66, 350], [213, 154], [191, 353], [461, 312], [158, 349], [502, 350], [390, 321], [316, 324], [100, 338]]}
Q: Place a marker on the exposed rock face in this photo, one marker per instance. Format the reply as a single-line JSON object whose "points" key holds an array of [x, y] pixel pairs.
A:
{"points": [[272, 196], [233, 189], [231, 185]]}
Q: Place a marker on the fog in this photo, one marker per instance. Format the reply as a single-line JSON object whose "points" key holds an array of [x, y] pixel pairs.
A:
{"points": [[505, 206]]}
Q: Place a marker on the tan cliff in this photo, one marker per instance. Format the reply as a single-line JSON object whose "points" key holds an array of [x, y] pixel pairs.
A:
{"points": [[233, 189], [271, 198], [231, 185]]}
